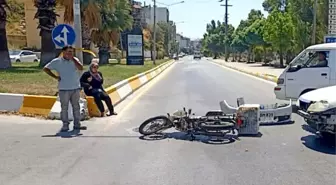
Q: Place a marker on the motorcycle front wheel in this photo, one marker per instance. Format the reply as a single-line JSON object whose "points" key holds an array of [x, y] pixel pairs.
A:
{"points": [[160, 123]]}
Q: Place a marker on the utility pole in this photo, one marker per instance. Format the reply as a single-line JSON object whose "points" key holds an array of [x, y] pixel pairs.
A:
{"points": [[226, 18], [78, 29], [314, 23], [154, 32]]}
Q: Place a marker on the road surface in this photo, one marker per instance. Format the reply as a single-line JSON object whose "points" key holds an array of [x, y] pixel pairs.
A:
{"points": [[111, 153]]}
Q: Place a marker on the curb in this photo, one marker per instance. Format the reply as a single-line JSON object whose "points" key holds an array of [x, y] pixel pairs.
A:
{"points": [[120, 91], [41, 105], [264, 76]]}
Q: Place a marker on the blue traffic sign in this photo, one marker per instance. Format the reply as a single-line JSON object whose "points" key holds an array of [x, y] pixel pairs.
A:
{"points": [[330, 39], [63, 35]]}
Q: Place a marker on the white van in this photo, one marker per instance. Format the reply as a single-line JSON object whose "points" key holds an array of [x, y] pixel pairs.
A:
{"points": [[313, 68]]}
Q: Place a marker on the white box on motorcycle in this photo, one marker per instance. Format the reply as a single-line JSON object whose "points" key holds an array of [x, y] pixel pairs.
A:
{"points": [[248, 119]]}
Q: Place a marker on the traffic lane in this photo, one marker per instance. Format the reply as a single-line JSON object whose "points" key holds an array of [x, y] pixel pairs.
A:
{"points": [[30, 148], [278, 157], [117, 156], [32, 154]]}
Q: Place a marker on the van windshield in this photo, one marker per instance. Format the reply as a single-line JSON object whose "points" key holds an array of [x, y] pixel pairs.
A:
{"points": [[301, 59]]}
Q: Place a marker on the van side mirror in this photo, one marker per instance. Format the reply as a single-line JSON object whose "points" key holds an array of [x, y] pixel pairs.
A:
{"points": [[294, 68]]}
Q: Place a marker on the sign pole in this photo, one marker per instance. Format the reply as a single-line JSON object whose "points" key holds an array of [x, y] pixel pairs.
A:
{"points": [[78, 29]]}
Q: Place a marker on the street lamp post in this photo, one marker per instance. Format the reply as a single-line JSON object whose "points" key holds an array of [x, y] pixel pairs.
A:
{"points": [[78, 29]]}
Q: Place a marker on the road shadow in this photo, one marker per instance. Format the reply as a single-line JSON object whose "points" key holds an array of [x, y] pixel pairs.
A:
{"points": [[308, 129], [227, 139], [69, 134], [277, 124], [111, 137], [313, 142], [259, 135], [326, 146], [264, 66]]}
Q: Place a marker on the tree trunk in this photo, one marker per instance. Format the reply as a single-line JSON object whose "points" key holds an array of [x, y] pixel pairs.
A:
{"points": [[86, 42], [5, 61], [104, 54], [281, 57], [48, 49], [249, 55]]}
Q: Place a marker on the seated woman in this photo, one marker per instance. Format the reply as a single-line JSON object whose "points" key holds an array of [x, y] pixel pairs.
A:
{"points": [[92, 82]]}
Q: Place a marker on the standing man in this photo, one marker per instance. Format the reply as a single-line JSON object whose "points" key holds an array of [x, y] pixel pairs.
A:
{"points": [[69, 71]]}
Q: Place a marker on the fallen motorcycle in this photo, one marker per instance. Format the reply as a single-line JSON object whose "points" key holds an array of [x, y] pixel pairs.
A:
{"points": [[245, 119], [214, 123]]}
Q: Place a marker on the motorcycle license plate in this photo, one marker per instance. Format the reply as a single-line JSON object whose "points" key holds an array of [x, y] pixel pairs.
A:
{"points": [[266, 117]]}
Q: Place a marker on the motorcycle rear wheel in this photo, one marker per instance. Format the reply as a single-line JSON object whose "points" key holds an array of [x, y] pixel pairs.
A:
{"points": [[166, 123]]}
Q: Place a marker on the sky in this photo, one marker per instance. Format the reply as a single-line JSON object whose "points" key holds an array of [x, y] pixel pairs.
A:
{"points": [[195, 14]]}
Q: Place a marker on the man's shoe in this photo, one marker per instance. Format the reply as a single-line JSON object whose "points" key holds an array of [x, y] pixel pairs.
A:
{"points": [[80, 128], [65, 128], [113, 114]]}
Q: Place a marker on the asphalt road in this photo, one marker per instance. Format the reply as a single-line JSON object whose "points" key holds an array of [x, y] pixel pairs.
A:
{"points": [[111, 153]]}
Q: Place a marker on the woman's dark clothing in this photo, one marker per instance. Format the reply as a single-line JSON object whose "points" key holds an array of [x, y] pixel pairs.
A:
{"points": [[97, 91]]}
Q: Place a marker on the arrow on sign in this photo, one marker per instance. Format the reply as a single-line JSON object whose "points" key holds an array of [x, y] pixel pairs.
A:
{"points": [[65, 32]]}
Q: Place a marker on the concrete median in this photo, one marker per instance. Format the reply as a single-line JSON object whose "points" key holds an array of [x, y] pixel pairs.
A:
{"points": [[43, 105], [268, 77]]}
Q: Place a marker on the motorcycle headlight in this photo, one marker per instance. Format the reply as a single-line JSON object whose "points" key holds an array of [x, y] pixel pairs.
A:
{"points": [[319, 106]]}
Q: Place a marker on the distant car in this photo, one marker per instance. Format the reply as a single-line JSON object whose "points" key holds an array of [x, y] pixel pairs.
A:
{"points": [[197, 56], [22, 56]]}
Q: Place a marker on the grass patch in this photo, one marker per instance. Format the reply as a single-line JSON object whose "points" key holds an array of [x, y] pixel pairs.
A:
{"points": [[28, 78]]}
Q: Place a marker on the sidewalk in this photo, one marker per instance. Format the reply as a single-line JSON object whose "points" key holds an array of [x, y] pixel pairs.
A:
{"points": [[265, 72]]}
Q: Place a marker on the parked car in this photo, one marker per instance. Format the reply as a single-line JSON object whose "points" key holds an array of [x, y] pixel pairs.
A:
{"points": [[22, 56]]}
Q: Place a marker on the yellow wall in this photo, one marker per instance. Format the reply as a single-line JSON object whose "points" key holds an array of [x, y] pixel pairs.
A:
{"points": [[32, 33], [16, 41]]}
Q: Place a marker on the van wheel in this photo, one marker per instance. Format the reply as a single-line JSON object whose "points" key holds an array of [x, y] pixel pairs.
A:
{"points": [[35, 60], [18, 60], [305, 91]]}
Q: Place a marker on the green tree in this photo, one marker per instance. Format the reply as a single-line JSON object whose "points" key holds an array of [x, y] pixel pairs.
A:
{"points": [[254, 37], [249, 32], [166, 34], [115, 18], [90, 20], [5, 62], [215, 40], [238, 43], [47, 21], [279, 31]]}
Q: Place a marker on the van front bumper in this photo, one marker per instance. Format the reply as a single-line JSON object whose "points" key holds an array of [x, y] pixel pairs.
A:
{"points": [[280, 92]]}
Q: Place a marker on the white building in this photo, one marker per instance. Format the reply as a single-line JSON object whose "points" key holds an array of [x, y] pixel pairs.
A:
{"points": [[196, 44], [184, 42], [162, 14]]}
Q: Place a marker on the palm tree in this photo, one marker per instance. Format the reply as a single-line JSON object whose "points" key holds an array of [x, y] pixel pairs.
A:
{"points": [[90, 19], [47, 18], [116, 17], [5, 62]]}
